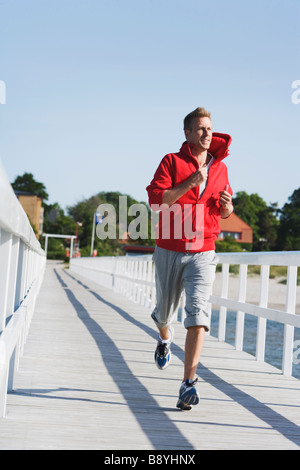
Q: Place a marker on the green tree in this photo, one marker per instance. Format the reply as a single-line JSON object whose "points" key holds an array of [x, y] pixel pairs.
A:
{"points": [[55, 220], [84, 211], [289, 229], [27, 183], [261, 218]]}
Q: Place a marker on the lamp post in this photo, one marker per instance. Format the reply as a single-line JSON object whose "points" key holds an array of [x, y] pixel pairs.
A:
{"points": [[93, 234], [97, 219]]}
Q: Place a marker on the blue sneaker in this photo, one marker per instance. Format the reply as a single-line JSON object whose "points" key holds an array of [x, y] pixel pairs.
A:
{"points": [[188, 395], [163, 354]]}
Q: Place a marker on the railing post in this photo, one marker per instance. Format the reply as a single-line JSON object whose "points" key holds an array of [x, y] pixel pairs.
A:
{"points": [[148, 289], [129, 293], [3, 388], [5, 264], [13, 276], [139, 279], [13, 364], [224, 295], [240, 317], [287, 360], [262, 322], [114, 271]]}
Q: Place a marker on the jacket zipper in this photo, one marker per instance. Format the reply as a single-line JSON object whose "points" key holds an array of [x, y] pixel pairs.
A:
{"points": [[199, 199]]}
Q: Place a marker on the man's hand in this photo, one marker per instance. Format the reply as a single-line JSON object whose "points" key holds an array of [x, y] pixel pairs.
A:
{"points": [[172, 195], [225, 203], [198, 177]]}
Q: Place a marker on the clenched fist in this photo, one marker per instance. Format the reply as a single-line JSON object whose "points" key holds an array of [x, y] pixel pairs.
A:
{"points": [[225, 202], [200, 176]]}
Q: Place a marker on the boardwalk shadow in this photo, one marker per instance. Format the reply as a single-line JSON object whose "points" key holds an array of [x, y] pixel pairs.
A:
{"points": [[273, 419], [147, 329], [145, 408], [57, 394]]}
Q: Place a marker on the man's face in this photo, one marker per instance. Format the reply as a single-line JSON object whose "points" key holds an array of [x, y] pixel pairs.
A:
{"points": [[201, 133]]}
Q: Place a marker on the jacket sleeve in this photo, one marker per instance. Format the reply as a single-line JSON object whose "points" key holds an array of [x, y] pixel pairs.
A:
{"points": [[162, 180], [214, 200]]}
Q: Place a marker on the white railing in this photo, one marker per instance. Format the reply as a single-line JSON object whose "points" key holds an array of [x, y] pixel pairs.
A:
{"points": [[133, 277], [22, 263], [286, 316]]}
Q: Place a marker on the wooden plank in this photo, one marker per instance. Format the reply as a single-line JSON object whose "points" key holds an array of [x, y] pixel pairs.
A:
{"points": [[87, 380]]}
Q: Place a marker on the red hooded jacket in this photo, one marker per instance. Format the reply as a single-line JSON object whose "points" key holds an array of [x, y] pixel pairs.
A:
{"points": [[190, 224]]}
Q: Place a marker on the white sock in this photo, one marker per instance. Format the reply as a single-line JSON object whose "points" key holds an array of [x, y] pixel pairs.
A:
{"points": [[165, 341]]}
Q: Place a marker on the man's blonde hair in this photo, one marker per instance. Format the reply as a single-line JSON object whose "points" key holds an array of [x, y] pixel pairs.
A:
{"points": [[197, 113]]}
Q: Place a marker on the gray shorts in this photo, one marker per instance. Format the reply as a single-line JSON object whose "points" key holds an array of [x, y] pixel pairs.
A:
{"points": [[193, 272]]}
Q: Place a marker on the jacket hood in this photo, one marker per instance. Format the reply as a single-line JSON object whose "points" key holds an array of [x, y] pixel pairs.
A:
{"points": [[219, 147]]}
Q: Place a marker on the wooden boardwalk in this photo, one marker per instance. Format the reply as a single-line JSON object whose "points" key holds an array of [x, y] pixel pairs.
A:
{"points": [[87, 380]]}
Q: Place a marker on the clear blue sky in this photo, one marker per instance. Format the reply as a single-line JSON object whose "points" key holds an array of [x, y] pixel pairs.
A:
{"points": [[96, 90]]}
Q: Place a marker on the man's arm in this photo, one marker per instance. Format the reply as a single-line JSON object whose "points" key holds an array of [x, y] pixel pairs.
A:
{"points": [[225, 202], [172, 195]]}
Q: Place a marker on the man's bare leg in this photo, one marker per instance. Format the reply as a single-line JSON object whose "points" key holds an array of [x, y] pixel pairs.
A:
{"points": [[164, 333], [193, 348]]}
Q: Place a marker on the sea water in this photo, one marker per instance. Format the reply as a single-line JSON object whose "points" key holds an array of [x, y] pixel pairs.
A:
{"points": [[274, 338]]}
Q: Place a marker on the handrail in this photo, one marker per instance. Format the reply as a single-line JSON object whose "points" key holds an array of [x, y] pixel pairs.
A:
{"points": [[22, 263], [133, 277], [264, 259], [13, 218]]}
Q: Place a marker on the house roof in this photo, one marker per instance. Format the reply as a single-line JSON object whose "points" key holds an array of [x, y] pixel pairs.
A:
{"points": [[26, 193], [233, 224], [23, 193]]}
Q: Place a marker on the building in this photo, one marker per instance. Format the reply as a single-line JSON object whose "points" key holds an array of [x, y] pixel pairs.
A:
{"points": [[236, 228], [32, 205]]}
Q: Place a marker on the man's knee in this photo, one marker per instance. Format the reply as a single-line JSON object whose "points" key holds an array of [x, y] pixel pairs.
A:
{"points": [[196, 330]]}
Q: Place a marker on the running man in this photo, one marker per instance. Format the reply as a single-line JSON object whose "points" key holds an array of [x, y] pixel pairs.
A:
{"points": [[192, 192]]}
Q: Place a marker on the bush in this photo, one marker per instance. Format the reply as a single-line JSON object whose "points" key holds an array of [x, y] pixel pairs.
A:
{"points": [[228, 245]]}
